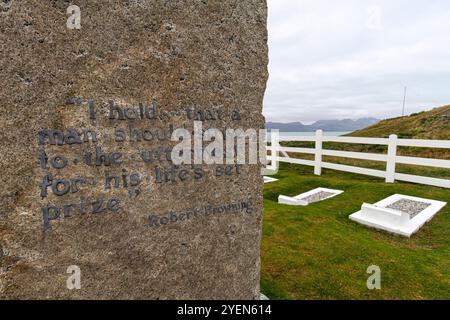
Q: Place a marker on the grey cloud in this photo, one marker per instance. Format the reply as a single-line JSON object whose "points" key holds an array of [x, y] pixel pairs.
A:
{"points": [[336, 59]]}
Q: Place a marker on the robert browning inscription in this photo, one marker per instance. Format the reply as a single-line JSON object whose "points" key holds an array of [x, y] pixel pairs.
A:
{"points": [[87, 176]]}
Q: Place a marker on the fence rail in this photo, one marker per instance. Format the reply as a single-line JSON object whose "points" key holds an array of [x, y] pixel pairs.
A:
{"points": [[391, 158]]}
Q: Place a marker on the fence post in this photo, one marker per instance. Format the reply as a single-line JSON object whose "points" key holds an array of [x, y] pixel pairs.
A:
{"points": [[391, 158], [275, 143], [272, 169], [318, 153]]}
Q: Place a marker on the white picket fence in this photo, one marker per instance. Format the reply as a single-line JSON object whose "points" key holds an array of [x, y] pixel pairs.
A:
{"points": [[391, 158]]}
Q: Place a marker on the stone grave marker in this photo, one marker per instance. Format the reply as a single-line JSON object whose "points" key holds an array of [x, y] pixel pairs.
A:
{"points": [[93, 203]]}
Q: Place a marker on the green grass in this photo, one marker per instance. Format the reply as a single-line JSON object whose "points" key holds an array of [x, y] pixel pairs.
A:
{"points": [[316, 252], [434, 124]]}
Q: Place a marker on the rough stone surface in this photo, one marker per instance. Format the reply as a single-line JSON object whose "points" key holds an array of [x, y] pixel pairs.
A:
{"points": [[409, 206], [206, 53]]}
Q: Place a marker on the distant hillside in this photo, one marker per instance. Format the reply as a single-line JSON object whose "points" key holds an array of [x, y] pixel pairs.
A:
{"points": [[434, 124], [326, 125]]}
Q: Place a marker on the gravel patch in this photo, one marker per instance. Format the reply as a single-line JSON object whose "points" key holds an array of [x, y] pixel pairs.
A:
{"points": [[410, 206], [319, 196]]}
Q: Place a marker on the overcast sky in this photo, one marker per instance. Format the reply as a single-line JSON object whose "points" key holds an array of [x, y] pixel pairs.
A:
{"points": [[336, 59]]}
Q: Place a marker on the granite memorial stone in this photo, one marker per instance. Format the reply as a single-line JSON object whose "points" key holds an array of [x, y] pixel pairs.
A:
{"points": [[93, 205]]}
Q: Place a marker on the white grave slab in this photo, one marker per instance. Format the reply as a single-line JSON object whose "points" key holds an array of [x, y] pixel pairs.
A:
{"points": [[269, 179], [309, 197], [399, 214]]}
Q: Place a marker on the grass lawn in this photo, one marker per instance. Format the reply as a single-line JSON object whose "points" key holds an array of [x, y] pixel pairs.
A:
{"points": [[316, 252]]}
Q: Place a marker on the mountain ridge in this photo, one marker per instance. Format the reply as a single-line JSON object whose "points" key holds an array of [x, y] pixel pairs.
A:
{"points": [[433, 124], [326, 125]]}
